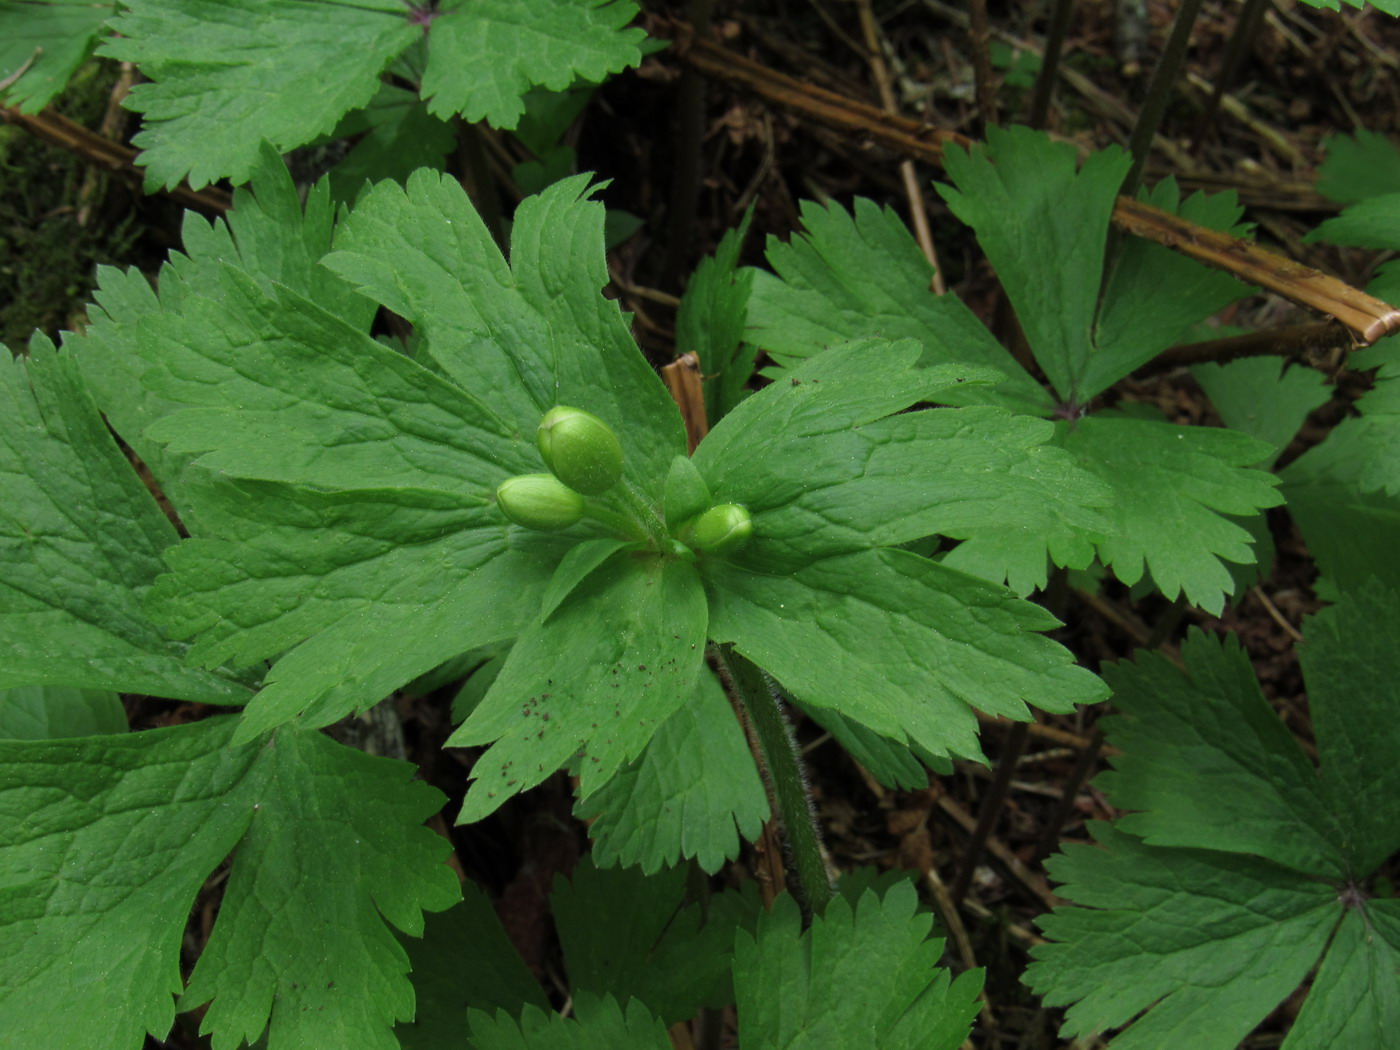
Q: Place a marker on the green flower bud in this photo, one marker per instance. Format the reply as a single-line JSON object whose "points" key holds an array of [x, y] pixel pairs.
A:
{"points": [[686, 493], [539, 501], [722, 529], [581, 450]]}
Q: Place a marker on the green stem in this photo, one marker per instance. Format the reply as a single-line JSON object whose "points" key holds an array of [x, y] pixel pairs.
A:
{"points": [[1044, 92], [1159, 93], [640, 510], [785, 777]]}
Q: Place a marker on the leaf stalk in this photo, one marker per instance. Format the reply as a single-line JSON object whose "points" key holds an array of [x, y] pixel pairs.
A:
{"points": [[784, 774]]}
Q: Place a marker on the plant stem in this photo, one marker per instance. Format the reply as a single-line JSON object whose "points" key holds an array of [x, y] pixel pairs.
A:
{"points": [[1159, 92], [1044, 91], [789, 788], [990, 811], [640, 510]]}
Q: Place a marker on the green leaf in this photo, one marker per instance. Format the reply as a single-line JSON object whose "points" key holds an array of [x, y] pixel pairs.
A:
{"points": [[1348, 520], [107, 840], [1044, 226], [280, 390], [325, 577], [1354, 998], [1252, 858], [524, 336], [898, 643], [224, 76], [1371, 223], [1173, 486], [1262, 397], [1155, 295], [53, 712], [463, 960], [400, 136], [271, 238], [322, 807], [485, 55], [1358, 166], [891, 764], [597, 1025], [82, 544], [1209, 765], [862, 277], [695, 792], [1353, 676], [626, 934], [710, 322], [861, 977], [597, 678], [822, 473], [1207, 943], [53, 38]]}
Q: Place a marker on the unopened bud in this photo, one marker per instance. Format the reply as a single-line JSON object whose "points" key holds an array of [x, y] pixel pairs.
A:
{"points": [[539, 501], [581, 450], [722, 529]]}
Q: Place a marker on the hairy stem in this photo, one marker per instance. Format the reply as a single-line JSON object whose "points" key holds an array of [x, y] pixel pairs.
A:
{"points": [[789, 788]]}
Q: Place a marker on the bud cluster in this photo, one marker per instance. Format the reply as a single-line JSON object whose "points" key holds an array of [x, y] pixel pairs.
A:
{"points": [[584, 457]]}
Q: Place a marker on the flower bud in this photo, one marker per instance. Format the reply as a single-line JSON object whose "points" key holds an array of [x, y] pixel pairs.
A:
{"points": [[580, 449], [686, 493], [539, 501], [722, 529]]}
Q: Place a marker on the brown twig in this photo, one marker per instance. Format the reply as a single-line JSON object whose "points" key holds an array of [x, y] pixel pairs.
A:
{"points": [[1365, 315], [1305, 342], [57, 129], [1369, 318], [683, 380]]}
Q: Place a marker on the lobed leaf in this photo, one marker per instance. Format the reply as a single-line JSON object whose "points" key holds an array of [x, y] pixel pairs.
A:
{"points": [[627, 934], [464, 960], [48, 41], [82, 544], [224, 76], [485, 55], [1173, 485], [310, 958], [899, 644], [1154, 295], [1043, 222], [107, 840], [1262, 397], [823, 473], [861, 276], [596, 1025], [1254, 864], [597, 679], [524, 336], [695, 792], [1207, 763], [864, 975], [1206, 943]]}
